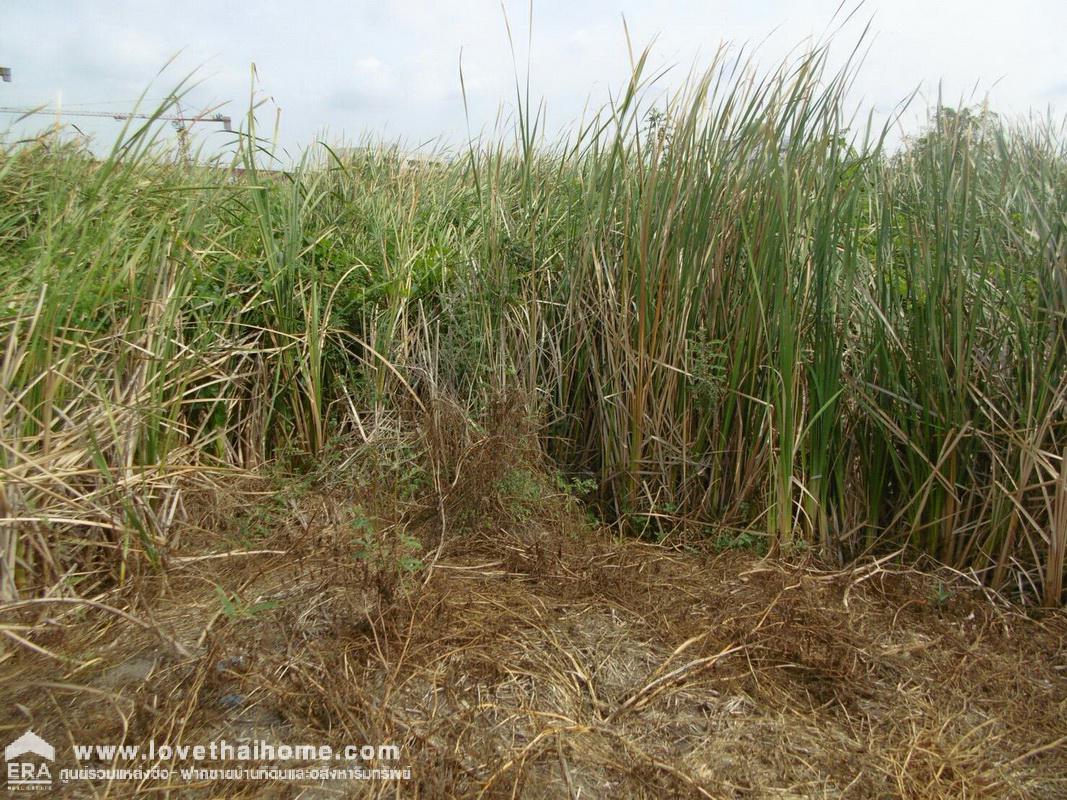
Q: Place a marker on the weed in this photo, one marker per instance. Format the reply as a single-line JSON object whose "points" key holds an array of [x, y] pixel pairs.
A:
{"points": [[385, 560], [521, 493], [741, 540], [235, 609], [941, 595]]}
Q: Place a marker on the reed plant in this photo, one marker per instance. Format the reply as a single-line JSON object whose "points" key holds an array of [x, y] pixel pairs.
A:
{"points": [[733, 307]]}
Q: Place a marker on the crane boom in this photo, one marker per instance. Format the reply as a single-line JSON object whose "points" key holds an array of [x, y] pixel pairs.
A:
{"points": [[226, 121]]}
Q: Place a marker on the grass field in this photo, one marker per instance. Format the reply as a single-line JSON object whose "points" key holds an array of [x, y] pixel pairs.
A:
{"points": [[520, 423], [734, 311]]}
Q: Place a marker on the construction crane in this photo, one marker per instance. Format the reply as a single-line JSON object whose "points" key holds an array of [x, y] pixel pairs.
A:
{"points": [[181, 123]]}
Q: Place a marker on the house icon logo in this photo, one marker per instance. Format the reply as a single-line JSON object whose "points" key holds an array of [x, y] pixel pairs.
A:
{"points": [[21, 771], [29, 742]]}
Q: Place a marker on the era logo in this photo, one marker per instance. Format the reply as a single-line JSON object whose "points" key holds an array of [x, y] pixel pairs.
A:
{"points": [[23, 774]]}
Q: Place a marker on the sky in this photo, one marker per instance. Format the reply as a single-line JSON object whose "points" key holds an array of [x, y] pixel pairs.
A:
{"points": [[340, 70]]}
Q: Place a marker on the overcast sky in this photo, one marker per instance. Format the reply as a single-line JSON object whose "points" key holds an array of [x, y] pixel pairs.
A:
{"points": [[338, 69]]}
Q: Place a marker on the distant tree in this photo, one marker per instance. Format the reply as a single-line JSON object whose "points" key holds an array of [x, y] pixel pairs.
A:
{"points": [[949, 124], [660, 128]]}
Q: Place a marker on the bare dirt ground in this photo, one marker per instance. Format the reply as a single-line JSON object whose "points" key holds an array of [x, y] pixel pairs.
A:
{"points": [[527, 654]]}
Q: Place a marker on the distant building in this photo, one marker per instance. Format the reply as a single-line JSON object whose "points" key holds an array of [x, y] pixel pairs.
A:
{"points": [[409, 160]]}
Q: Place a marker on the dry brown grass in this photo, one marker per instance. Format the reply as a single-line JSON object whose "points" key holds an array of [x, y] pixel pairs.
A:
{"points": [[533, 656]]}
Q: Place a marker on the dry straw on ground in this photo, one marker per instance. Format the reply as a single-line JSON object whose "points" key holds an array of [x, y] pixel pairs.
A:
{"points": [[528, 654]]}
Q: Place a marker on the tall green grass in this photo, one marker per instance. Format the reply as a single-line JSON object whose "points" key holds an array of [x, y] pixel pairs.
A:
{"points": [[735, 308]]}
